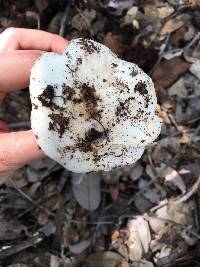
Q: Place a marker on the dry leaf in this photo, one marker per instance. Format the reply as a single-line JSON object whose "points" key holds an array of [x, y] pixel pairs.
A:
{"points": [[185, 139], [114, 191], [19, 179], [112, 177], [165, 11], [169, 245], [171, 26], [69, 234], [143, 263], [165, 118], [54, 261], [172, 176], [193, 3], [136, 24], [191, 240], [43, 218], [87, 190], [142, 227], [139, 238], [125, 264], [40, 168], [41, 4], [152, 193], [159, 221], [169, 71], [195, 68], [156, 224], [181, 212], [178, 36], [178, 88], [120, 4], [114, 42], [134, 244], [82, 21], [115, 234], [10, 229], [136, 171], [131, 14], [80, 247], [150, 12], [149, 171], [54, 202], [142, 204], [165, 149], [49, 229], [165, 257], [104, 259]]}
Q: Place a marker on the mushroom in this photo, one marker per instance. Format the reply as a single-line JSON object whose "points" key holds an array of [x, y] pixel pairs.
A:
{"points": [[91, 110]]}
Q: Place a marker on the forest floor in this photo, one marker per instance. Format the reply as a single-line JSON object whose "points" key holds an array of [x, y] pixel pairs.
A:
{"points": [[146, 214]]}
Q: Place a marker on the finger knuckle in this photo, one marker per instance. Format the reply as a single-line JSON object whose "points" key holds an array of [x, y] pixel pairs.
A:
{"points": [[11, 31]]}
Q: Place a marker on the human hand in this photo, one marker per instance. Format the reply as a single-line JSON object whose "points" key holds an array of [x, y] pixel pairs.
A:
{"points": [[19, 49]]}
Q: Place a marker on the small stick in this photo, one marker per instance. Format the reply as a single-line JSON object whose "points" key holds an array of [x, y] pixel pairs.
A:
{"points": [[7, 252], [160, 54], [191, 192], [64, 20], [28, 198], [18, 125], [196, 38]]}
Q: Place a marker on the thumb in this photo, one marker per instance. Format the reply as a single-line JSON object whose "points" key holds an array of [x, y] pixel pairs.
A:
{"points": [[17, 149]]}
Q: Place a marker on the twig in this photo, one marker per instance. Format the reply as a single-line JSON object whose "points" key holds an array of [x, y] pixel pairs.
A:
{"points": [[18, 125], [82, 16], [194, 233], [34, 15], [64, 20], [154, 179], [160, 54], [196, 38], [171, 16], [24, 195], [160, 205], [35, 205], [92, 223], [191, 192], [119, 218], [170, 221], [193, 120], [47, 230], [173, 122], [19, 190], [197, 213], [196, 131], [5, 253]]}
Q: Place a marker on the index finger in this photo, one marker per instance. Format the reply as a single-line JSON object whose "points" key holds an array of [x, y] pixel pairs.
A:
{"points": [[15, 67], [29, 39]]}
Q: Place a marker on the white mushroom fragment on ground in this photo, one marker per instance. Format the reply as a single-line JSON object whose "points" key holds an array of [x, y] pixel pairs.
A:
{"points": [[91, 110]]}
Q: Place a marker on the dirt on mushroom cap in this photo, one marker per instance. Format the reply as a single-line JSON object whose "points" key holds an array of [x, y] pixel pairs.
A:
{"points": [[99, 111]]}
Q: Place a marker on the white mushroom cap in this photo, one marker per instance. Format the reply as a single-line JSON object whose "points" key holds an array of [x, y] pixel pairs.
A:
{"points": [[91, 110]]}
